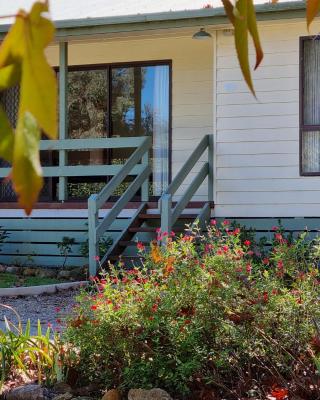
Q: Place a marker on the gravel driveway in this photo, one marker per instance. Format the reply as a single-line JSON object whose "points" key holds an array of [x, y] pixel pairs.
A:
{"points": [[49, 309]]}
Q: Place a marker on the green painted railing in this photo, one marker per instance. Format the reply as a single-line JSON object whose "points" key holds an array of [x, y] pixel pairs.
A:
{"points": [[65, 171], [97, 228], [170, 215]]}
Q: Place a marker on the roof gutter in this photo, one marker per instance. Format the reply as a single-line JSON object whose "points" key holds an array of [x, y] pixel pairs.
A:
{"points": [[172, 19]]}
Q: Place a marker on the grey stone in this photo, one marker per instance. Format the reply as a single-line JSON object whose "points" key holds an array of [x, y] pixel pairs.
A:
{"points": [[153, 394], [3, 268], [12, 269], [64, 274], [47, 273], [63, 396], [62, 388], [27, 392]]}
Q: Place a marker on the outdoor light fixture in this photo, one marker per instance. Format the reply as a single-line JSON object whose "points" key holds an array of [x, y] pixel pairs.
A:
{"points": [[201, 35]]}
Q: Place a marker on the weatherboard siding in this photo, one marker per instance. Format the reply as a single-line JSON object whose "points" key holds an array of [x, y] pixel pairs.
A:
{"points": [[257, 141], [192, 83]]}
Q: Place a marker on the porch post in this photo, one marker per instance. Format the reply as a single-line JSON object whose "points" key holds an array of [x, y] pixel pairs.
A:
{"points": [[166, 215], [210, 173], [63, 113], [145, 185]]}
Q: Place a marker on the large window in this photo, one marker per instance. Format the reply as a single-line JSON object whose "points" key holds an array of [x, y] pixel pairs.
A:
{"points": [[310, 106], [114, 101]]}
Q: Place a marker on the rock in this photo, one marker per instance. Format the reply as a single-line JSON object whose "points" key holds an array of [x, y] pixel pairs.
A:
{"points": [[47, 273], [62, 388], [64, 274], [153, 394], [76, 274], [12, 269], [30, 272], [28, 392], [112, 394], [3, 268], [63, 396], [82, 398]]}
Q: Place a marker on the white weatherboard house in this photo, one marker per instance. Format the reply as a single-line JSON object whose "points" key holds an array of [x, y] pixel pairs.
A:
{"points": [[135, 83]]}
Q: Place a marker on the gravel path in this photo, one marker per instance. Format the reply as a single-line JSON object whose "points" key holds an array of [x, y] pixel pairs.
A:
{"points": [[49, 309]]}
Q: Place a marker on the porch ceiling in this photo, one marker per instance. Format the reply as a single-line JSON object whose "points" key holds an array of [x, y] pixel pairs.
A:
{"points": [[146, 18]]}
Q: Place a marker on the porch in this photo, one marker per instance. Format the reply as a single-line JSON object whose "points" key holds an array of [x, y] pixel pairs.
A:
{"points": [[33, 240]]}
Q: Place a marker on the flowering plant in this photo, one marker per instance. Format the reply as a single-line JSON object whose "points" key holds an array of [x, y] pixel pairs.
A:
{"points": [[205, 312]]}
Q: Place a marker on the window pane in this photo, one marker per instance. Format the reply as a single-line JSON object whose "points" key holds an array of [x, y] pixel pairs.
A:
{"points": [[311, 95], [311, 152], [87, 103], [140, 107]]}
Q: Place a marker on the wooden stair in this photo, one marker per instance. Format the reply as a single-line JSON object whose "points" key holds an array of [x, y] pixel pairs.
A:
{"points": [[146, 220]]}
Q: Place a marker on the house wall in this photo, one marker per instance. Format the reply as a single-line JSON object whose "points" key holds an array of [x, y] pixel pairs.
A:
{"points": [[192, 83], [257, 140]]}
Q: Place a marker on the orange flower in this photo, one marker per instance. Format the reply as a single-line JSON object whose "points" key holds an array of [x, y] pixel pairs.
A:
{"points": [[279, 393], [169, 266], [155, 253]]}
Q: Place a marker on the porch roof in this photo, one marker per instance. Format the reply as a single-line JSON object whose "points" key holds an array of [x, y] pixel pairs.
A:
{"points": [[91, 17]]}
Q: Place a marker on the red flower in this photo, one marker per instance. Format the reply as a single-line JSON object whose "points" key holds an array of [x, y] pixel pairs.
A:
{"points": [[265, 261], [94, 307], [280, 265], [225, 248], [57, 309], [213, 222], [248, 268], [226, 222], [278, 237], [236, 231], [97, 258], [154, 308], [140, 246], [279, 393], [247, 242], [265, 297]]}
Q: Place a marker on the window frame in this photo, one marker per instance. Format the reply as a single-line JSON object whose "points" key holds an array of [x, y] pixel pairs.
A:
{"points": [[303, 127], [130, 64]]}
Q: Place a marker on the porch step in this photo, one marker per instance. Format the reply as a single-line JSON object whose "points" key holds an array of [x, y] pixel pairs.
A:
{"points": [[158, 216], [128, 243], [152, 229]]}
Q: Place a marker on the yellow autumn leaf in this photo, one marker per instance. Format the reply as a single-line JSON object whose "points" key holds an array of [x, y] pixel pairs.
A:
{"points": [[243, 18], [7, 137], [23, 62], [9, 76], [26, 171], [313, 7]]}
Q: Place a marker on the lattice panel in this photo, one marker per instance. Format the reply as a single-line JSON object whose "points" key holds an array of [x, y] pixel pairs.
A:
{"points": [[10, 102]]}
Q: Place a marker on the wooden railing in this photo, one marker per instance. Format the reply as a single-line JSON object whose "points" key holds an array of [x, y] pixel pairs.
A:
{"points": [[63, 171], [132, 166], [170, 215]]}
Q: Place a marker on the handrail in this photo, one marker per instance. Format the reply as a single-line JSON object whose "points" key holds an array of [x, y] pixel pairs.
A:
{"points": [[168, 215], [96, 228]]}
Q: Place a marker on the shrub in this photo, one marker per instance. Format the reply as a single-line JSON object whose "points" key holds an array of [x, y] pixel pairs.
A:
{"points": [[210, 312]]}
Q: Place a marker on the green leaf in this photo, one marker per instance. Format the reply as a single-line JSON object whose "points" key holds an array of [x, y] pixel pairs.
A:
{"points": [[6, 137], [313, 7], [26, 171]]}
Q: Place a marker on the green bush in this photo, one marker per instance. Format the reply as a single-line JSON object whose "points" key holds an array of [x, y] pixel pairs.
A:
{"points": [[214, 312]]}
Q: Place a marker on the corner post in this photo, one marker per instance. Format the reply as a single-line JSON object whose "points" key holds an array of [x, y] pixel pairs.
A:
{"points": [[93, 219], [63, 113], [166, 215], [210, 172], [145, 185]]}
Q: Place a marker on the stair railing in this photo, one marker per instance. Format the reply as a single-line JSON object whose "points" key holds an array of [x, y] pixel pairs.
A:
{"points": [[170, 215], [97, 228]]}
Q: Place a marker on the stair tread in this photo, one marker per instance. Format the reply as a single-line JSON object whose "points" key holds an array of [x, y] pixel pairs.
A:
{"points": [[158, 216], [152, 229], [126, 243]]}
